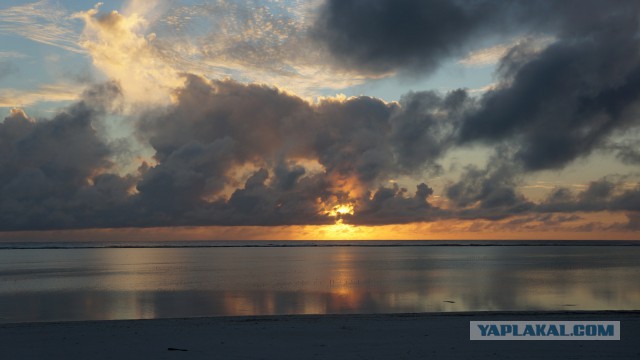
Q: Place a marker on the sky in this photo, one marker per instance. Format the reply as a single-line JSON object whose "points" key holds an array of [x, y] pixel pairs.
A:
{"points": [[319, 119]]}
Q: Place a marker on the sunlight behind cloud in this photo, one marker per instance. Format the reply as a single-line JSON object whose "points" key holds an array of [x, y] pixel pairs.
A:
{"points": [[492, 55], [120, 48], [342, 209]]}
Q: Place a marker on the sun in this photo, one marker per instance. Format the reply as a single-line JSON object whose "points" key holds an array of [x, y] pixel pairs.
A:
{"points": [[339, 230], [339, 210]]}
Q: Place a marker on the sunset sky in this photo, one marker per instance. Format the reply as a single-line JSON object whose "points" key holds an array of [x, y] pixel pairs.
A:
{"points": [[319, 119]]}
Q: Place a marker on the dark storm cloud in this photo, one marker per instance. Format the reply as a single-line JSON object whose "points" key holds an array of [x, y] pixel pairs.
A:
{"points": [[633, 223], [380, 36], [257, 118], [393, 205], [184, 177], [360, 137], [50, 169], [556, 105], [601, 195], [425, 128], [563, 102], [488, 193], [58, 173], [268, 205], [218, 126], [628, 153], [352, 137]]}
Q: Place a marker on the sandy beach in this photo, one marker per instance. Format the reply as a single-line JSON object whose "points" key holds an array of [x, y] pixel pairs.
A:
{"points": [[395, 336]]}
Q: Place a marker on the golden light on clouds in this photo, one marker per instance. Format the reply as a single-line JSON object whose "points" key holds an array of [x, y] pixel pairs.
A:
{"points": [[340, 210], [342, 231], [440, 230], [47, 92], [120, 48]]}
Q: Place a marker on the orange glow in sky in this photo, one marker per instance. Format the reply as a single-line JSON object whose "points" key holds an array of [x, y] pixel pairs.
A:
{"points": [[341, 230]]}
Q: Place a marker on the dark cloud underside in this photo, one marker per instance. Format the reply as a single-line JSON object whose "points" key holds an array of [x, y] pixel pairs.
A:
{"points": [[379, 36]]}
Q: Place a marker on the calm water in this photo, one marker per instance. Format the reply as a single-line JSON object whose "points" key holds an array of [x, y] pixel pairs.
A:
{"points": [[136, 283]]}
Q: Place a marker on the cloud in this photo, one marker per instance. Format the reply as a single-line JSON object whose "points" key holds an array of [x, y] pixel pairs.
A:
{"points": [[425, 127], [563, 102], [253, 41], [634, 222], [226, 125], [230, 153], [54, 171], [625, 146], [42, 22], [48, 92], [394, 205], [360, 137], [629, 155], [146, 48], [489, 193], [120, 48], [383, 36], [553, 102], [214, 129], [260, 41], [601, 195], [492, 55]]}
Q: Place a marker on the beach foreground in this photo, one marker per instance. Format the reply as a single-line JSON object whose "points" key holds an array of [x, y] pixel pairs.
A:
{"points": [[396, 336]]}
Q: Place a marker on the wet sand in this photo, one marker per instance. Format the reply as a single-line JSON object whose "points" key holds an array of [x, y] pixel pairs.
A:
{"points": [[397, 336]]}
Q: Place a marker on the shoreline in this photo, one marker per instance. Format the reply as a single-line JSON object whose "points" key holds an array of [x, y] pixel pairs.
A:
{"points": [[221, 244], [357, 336], [284, 317]]}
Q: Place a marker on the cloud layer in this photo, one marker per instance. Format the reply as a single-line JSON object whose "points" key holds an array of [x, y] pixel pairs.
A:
{"points": [[231, 153]]}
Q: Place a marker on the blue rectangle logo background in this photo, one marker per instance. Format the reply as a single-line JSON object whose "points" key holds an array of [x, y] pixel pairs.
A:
{"points": [[544, 330]]}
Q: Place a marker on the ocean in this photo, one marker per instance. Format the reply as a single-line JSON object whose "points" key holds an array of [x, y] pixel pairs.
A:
{"points": [[41, 282]]}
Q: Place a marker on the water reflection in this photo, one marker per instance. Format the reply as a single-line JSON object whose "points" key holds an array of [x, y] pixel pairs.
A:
{"points": [[80, 284]]}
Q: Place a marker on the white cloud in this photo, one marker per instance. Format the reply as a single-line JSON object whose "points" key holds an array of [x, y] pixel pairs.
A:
{"points": [[484, 89], [47, 92], [486, 56], [122, 49], [150, 43], [42, 22], [492, 55], [264, 42]]}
